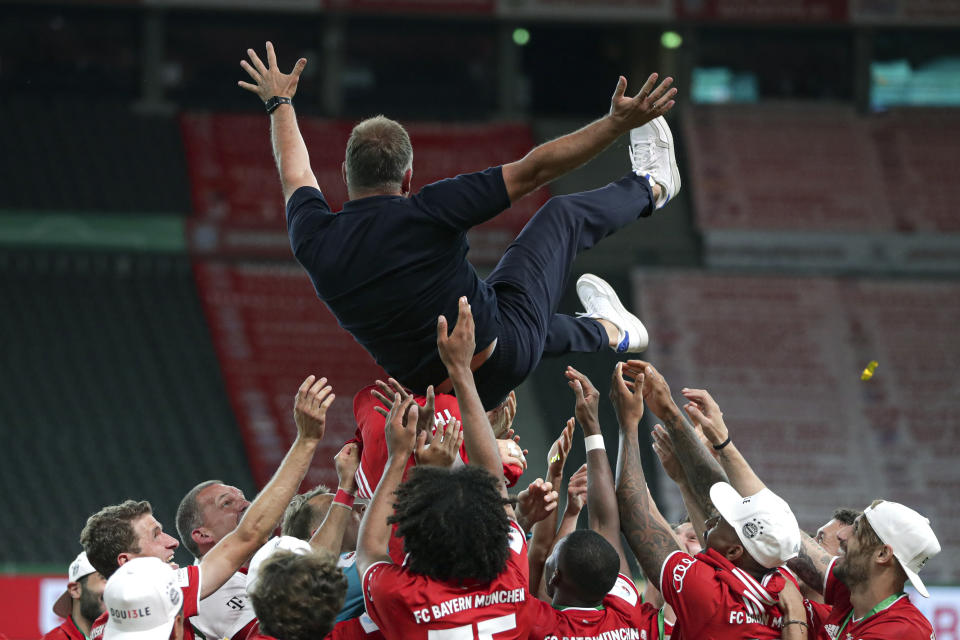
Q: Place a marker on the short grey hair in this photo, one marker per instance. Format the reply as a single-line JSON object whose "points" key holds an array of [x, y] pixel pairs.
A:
{"points": [[189, 516], [378, 154], [300, 519]]}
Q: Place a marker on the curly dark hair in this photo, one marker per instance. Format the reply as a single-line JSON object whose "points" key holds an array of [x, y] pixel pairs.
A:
{"points": [[109, 532], [298, 596], [590, 563], [845, 515], [452, 523]]}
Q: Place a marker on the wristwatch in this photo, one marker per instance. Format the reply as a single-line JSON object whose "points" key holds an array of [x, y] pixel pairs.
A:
{"points": [[274, 102]]}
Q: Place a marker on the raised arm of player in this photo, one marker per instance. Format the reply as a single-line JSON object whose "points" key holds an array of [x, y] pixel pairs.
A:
{"points": [[261, 517], [663, 447], [704, 410], [373, 539], [647, 533], [601, 493], [553, 159], [329, 535], [456, 350], [543, 532], [289, 150], [701, 468]]}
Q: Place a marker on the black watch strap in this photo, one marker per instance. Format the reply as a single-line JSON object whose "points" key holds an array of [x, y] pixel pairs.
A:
{"points": [[274, 102]]}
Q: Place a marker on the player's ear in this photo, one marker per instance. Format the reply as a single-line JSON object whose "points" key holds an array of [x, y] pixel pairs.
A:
{"points": [[884, 554], [343, 171], [75, 589], [406, 182], [733, 552]]}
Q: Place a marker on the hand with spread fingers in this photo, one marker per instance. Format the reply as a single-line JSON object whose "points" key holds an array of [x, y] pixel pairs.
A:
{"points": [[650, 102], [401, 427], [310, 407], [385, 392], [501, 417], [626, 395], [268, 80], [442, 448], [511, 453], [703, 410], [535, 503]]}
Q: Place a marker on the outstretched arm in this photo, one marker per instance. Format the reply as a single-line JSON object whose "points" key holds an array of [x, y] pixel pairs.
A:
{"points": [[663, 447], [261, 517], [812, 564], [553, 159], [601, 494], [703, 409], [289, 150], [647, 532], [699, 465], [373, 538], [456, 350], [329, 535]]}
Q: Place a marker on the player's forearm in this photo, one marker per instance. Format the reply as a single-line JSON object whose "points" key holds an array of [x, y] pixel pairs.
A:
{"points": [[741, 475], [329, 535], [553, 159], [695, 512], [698, 464], [373, 539], [601, 496], [261, 517], [477, 434], [289, 149], [812, 563], [646, 531]]}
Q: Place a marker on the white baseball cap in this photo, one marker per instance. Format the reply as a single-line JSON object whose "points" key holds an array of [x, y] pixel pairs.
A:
{"points": [[78, 568], [278, 543], [143, 598], [909, 535], [764, 523]]}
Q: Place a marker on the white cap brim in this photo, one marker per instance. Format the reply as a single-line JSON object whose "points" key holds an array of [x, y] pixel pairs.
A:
{"points": [[728, 502], [914, 579]]}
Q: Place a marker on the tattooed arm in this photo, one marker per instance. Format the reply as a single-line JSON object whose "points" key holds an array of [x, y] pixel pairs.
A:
{"points": [[647, 532], [812, 563], [701, 469]]}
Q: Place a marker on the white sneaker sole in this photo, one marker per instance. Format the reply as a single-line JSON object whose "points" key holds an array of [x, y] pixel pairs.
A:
{"points": [[627, 321], [664, 133]]}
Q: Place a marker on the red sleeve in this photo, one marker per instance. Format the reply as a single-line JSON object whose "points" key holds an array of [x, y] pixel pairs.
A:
{"points": [[835, 593], [373, 448], [689, 586], [542, 619], [382, 582], [188, 579], [360, 628], [517, 560], [96, 629]]}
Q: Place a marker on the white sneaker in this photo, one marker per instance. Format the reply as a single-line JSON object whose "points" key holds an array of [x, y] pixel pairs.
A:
{"points": [[601, 301], [652, 157]]}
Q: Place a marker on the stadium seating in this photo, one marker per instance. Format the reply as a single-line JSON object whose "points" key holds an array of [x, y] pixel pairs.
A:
{"points": [[783, 357], [111, 391], [270, 332], [822, 167]]}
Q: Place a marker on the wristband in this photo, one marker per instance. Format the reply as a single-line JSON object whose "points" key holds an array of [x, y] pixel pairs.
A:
{"points": [[343, 498], [722, 444], [593, 442], [786, 622], [274, 102]]}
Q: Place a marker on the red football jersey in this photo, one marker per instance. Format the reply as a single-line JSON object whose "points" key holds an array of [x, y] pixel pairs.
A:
{"points": [[898, 619], [189, 581], [707, 607], [406, 605], [361, 628], [623, 616], [66, 631]]}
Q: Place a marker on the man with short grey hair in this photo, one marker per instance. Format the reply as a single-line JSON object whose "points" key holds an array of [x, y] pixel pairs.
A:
{"points": [[393, 260]]}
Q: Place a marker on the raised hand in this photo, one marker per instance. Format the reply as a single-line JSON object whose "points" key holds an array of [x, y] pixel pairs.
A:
{"points": [[457, 348], [557, 456], [400, 427], [501, 418], [439, 450], [425, 417], [588, 401], [310, 407], [626, 396], [655, 390], [511, 453], [535, 502], [347, 461], [577, 491], [268, 80], [649, 102], [704, 410]]}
